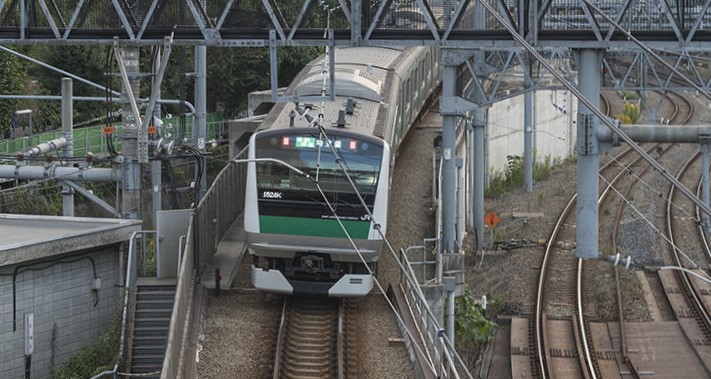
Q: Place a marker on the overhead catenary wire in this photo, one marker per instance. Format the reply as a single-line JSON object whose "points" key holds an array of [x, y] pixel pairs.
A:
{"points": [[649, 222], [644, 47], [585, 101], [318, 122], [340, 161], [659, 194]]}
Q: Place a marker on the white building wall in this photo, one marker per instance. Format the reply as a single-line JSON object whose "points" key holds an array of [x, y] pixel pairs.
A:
{"points": [[554, 131]]}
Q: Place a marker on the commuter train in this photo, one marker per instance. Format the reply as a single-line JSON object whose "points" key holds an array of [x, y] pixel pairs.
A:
{"points": [[293, 233]]}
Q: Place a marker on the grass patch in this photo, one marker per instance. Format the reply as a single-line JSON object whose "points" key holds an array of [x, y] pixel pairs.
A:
{"points": [[93, 359], [513, 177]]}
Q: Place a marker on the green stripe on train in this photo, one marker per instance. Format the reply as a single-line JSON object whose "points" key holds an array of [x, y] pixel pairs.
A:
{"points": [[303, 226]]}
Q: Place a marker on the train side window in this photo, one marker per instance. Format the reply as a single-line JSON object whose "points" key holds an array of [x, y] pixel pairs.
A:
{"points": [[402, 99], [407, 96], [414, 84], [422, 80], [435, 60], [428, 67]]}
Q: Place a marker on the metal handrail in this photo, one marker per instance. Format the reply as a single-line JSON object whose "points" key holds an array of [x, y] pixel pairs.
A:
{"points": [[434, 332], [209, 222], [131, 273]]}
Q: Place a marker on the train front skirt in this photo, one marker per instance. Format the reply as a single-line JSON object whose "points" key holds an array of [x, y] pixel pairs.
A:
{"points": [[349, 285]]}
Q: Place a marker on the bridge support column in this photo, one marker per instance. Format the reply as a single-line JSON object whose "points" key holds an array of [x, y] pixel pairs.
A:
{"points": [[528, 141], [200, 117], [449, 156], [68, 134], [478, 172], [705, 181], [588, 161]]}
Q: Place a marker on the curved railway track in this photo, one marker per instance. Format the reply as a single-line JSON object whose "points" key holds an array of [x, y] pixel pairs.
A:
{"points": [[685, 292], [560, 288]]}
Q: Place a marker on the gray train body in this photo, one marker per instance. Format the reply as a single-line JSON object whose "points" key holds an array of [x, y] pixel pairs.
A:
{"points": [[294, 228]]}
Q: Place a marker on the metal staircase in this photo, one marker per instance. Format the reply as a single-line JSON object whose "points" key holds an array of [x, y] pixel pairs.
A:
{"points": [[154, 305]]}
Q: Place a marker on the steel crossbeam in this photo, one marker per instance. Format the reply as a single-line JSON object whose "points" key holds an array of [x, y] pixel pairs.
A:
{"points": [[568, 23]]}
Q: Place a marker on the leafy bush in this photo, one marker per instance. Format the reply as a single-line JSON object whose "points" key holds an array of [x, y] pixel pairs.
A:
{"points": [[630, 114], [471, 325]]}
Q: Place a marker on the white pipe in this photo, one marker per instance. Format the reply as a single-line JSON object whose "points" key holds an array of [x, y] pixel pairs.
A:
{"points": [[44, 147], [60, 173]]}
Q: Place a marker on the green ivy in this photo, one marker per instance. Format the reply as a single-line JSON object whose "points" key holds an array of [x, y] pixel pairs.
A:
{"points": [[471, 325], [95, 358]]}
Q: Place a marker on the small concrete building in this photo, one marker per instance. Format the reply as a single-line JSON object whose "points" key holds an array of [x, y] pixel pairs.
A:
{"points": [[63, 272]]}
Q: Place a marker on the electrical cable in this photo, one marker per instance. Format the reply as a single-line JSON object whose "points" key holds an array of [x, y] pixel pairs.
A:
{"points": [[49, 263], [343, 165], [649, 222], [108, 65], [172, 195], [659, 194], [645, 48], [594, 110], [377, 227]]}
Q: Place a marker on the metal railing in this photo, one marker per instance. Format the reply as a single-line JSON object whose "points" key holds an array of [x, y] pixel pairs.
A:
{"points": [[438, 351], [220, 206], [428, 262], [180, 317], [136, 251], [92, 139]]}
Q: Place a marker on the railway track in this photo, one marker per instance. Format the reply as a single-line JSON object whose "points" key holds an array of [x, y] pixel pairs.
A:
{"points": [[310, 341], [317, 339], [562, 339], [678, 296], [688, 296]]}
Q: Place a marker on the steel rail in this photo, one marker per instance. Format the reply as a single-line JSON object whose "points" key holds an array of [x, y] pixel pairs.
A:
{"points": [[696, 302], [700, 225], [540, 341], [280, 340], [340, 342]]}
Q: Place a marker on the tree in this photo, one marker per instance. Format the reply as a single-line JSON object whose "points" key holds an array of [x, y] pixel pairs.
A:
{"points": [[12, 82], [88, 62], [233, 73]]}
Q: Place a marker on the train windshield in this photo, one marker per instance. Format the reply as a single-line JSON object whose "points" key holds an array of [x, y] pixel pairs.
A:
{"points": [[311, 153]]}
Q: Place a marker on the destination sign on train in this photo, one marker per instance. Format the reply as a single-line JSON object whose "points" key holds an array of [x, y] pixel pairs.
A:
{"points": [[302, 142]]}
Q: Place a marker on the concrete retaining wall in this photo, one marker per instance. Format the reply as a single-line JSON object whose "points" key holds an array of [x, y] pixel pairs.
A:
{"points": [[552, 128], [58, 291]]}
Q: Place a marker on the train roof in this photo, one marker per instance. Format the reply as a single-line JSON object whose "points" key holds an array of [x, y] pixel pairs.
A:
{"points": [[360, 73], [362, 121], [365, 74]]}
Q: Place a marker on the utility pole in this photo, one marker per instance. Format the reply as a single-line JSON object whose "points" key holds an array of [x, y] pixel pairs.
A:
{"points": [[128, 62]]}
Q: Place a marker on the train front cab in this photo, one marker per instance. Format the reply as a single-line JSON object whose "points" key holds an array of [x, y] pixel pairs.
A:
{"points": [[297, 244]]}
